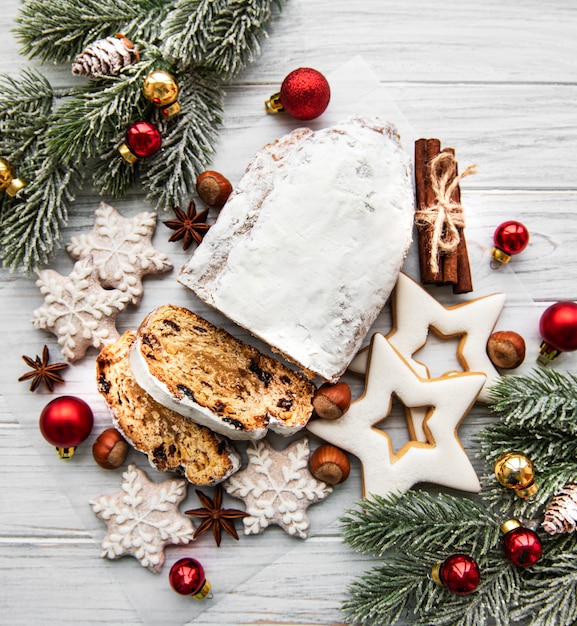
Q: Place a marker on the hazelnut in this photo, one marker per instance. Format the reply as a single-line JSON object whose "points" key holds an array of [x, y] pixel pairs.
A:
{"points": [[213, 188], [506, 349], [330, 464], [110, 449], [332, 400]]}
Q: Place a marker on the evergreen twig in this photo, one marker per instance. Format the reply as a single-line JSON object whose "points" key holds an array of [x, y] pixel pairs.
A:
{"points": [[58, 31], [536, 416], [56, 139], [415, 521]]}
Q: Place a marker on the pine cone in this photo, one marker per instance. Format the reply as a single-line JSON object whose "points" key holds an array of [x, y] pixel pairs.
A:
{"points": [[106, 57], [561, 514]]}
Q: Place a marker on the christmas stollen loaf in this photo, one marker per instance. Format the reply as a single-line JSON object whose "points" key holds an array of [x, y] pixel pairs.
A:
{"points": [[204, 373], [307, 249], [171, 441]]}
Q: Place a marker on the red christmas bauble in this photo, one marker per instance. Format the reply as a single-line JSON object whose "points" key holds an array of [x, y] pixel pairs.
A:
{"points": [[143, 139], [65, 422], [305, 93], [459, 573], [522, 546], [558, 326], [511, 237], [187, 578]]}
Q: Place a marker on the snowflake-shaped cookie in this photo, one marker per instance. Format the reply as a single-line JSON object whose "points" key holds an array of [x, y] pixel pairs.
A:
{"points": [[277, 488], [143, 518], [77, 309], [121, 250]]}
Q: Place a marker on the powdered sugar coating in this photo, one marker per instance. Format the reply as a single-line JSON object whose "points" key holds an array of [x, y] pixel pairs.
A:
{"points": [[308, 247]]}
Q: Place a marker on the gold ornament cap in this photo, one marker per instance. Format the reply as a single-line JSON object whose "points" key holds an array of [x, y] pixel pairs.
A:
{"points": [[66, 453], [161, 88], [509, 525], [547, 353], [436, 574], [126, 154], [500, 256], [204, 591], [515, 471], [273, 104], [8, 181]]}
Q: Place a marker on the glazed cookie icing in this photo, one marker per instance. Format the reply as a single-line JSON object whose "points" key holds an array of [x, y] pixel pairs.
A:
{"points": [[440, 459]]}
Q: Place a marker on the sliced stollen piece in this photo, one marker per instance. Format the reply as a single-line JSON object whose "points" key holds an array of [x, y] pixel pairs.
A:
{"points": [[171, 441], [201, 371], [307, 249]]}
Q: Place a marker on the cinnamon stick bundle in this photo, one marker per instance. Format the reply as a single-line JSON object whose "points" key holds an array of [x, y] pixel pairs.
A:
{"points": [[439, 217]]}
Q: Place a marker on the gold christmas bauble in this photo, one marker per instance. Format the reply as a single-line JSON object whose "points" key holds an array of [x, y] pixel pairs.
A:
{"points": [[8, 181], [515, 471], [161, 89]]}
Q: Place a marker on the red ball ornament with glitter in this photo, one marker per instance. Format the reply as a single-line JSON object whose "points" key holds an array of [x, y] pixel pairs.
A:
{"points": [[459, 573], [143, 140], [509, 238], [66, 422], [304, 94], [558, 329], [187, 578], [522, 546]]}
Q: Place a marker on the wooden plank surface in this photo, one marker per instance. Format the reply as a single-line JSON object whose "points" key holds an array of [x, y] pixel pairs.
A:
{"points": [[496, 80]]}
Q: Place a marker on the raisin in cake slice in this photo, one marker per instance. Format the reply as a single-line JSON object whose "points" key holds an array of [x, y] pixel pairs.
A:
{"points": [[308, 248], [201, 371], [171, 441]]}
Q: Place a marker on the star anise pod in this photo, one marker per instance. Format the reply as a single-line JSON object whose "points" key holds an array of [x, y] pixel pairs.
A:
{"points": [[189, 226], [43, 371], [215, 517]]}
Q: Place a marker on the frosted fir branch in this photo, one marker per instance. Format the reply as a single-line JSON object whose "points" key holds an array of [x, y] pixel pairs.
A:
{"points": [[58, 31], [506, 502], [89, 121], [189, 142], [30, 225], [544, 398], [221, 35], [489, 604], [187, 31], [32, 93], [550, 595], [388, 592], [237, 35], [417, 521]]}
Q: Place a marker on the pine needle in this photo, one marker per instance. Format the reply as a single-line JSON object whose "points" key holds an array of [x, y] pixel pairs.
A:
{"points": [[56, 139], [416, 521]]}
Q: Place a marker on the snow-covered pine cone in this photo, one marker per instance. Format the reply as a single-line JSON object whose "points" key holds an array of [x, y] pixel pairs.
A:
{"points": [[561, 513], [106, 57]]}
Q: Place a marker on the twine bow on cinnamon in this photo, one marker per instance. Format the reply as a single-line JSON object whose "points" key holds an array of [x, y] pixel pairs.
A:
{"points": [[445, 217]]}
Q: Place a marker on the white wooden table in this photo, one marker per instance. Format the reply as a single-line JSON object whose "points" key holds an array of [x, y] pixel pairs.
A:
{"points": [[495, 80]]}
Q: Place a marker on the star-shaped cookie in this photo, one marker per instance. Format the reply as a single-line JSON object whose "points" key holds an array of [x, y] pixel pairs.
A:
{"points": [[121, 250], [440, 460], [77, 309], [277, 488], [415, 312], [143, 518]]}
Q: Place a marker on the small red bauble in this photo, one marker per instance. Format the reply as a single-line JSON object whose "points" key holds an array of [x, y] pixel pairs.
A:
{"points": [[187, 578], [459, 573], [66, 422], [558, 329], [143, 139], [304, 94], [522, 546], [509, 238]]}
